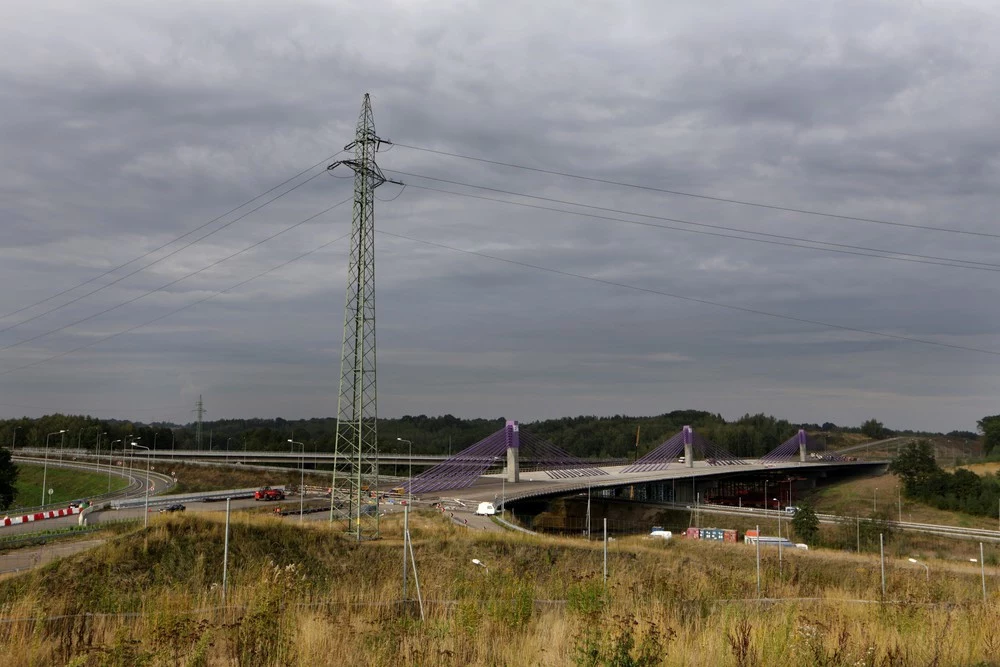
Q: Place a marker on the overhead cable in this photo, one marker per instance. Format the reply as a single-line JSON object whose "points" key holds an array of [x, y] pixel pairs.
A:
{"points": [[172, 241], [773, 207], [649, 290], [820, 245], [156, 261], [174, 282], [176, 310]]}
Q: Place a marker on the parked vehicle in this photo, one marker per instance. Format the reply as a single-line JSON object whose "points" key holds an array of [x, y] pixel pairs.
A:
{"points": [[267, 493], [661, 534], [486, 509]]}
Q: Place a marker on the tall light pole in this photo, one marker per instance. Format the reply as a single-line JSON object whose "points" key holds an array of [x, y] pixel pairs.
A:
{"points": [[62, 444], [111, 455], [875, 500], [302, 477], [131, 457], [145, 518], [13, 441], [45, 469], [97, 455], [409, 483]]}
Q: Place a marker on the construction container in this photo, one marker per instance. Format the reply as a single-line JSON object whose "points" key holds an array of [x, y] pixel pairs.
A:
{"points": [[692, 533], [730, 535], [714, 534]]}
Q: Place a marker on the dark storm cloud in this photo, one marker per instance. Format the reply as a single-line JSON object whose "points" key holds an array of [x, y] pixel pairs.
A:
{"points": [[126, 125]]}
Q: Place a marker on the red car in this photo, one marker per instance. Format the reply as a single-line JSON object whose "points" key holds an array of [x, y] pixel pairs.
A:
{"points": [[267, 493]]}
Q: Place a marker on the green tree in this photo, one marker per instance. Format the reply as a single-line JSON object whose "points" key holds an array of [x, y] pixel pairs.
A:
{"points": [[8, 476], [805, 523], [990, 428], [916, 465], [873, 429]]}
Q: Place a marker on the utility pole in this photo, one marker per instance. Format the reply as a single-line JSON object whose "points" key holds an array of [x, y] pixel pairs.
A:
{"points": [[357, 402]]}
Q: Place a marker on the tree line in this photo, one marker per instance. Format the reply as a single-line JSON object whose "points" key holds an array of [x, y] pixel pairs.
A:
{"points": [[961, 490], [610, 437]]}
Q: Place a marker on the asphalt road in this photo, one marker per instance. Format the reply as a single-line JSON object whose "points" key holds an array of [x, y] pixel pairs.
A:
{"points": [[27, 558]]}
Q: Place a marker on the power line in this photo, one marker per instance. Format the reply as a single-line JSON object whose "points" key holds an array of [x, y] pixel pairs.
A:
{"points": [[895, 255], [176, 310], [649, 290], [174, 282], [773, 207], [161, 247], [154, 262]]}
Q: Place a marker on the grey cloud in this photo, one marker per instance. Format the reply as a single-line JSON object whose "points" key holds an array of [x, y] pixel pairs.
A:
{"points": [[127, 126]]}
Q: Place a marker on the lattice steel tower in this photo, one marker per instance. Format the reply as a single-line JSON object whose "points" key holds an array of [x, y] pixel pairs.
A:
{"points": [[356, 409]]}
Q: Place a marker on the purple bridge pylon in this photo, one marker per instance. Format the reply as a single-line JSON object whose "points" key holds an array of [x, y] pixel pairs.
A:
{"points": [[465, 467], [687, 443], [796, 448]]}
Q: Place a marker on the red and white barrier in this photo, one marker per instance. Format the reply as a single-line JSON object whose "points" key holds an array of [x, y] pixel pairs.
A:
{"points": [[39, 516]]}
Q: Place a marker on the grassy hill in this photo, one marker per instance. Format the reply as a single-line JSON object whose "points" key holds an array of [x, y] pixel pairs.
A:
{"points": [[66, 485], [859, 497], [306, 596]]}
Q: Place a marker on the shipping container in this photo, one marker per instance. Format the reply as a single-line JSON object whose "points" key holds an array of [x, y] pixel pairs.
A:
{"points": [[692, 533]]}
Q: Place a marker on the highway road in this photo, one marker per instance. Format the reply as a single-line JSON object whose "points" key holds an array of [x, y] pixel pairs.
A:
{"points": [[959, 532]]}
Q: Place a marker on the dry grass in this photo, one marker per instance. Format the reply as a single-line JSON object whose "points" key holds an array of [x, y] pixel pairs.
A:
{"points": [[309, 596], [195, 478], [857, 497], [983, 468]]}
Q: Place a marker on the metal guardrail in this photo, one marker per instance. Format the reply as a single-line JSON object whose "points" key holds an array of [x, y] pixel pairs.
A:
{"points": [[132, 503], [929, 528]]}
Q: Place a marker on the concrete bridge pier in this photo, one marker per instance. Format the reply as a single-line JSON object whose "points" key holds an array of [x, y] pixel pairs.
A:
{"points": [[802, 446], [688, 447], [513, 471]]}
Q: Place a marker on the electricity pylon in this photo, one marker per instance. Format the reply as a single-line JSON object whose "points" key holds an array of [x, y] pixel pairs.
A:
{"points": [[357, 435], [200, 411]]}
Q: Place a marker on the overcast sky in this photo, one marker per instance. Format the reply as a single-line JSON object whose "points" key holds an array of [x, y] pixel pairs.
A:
{"points": [[127, 124]]}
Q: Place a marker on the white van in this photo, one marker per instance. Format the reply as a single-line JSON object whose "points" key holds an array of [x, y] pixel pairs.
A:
{"points": [[486, 509], [662, 534]]}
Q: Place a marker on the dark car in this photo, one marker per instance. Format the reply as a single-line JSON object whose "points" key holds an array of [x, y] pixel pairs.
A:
{"points": [[173, 508]]}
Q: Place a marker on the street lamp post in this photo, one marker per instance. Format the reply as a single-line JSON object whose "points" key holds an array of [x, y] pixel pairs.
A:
{"points": [[111, 455], [13, 441], [145, 518], [409, 483], [62, 444], [927, 569], [479, 563], [45, 468], [875, 500], [97, 455], [302, 477]]}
